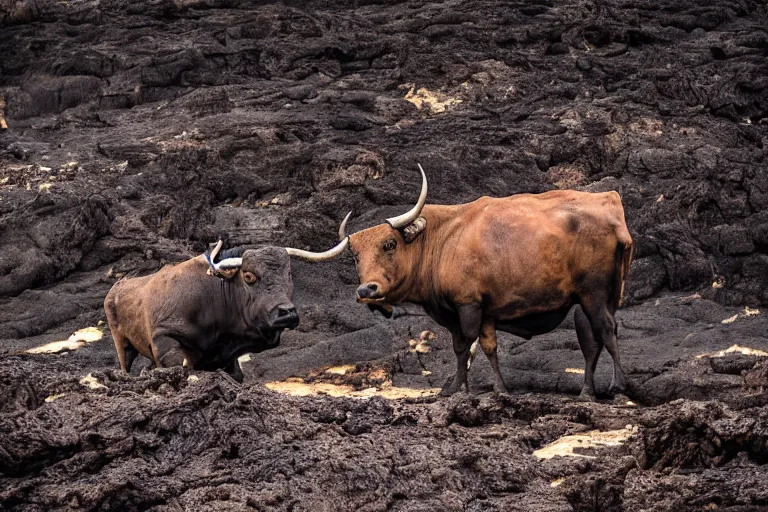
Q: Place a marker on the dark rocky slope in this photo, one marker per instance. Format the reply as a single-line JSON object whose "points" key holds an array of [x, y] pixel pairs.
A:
{"points": [[139, 132]]}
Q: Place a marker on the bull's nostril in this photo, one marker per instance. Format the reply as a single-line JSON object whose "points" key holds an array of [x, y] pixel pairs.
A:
{"points": [[285, 317], [285, 312], [367, 291]]}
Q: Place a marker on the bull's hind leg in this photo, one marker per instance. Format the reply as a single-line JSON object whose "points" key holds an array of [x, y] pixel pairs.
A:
{"points": [[618, 382], [130, 356], [489, 346], [591, 350], [120, 346], [604, 329]]}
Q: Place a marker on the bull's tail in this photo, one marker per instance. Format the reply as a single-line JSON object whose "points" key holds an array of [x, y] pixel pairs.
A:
{"points": [[625, 250]]}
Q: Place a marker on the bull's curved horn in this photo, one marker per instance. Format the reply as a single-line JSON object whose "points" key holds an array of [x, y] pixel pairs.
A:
{"points": [[343, 227], [226, 264], [407, 218], [319, 256], [229, 264], [215, 251], [210, 257]]}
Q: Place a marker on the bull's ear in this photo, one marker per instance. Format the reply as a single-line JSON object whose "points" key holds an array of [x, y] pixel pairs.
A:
{"points": [[412, 231], [227, 274]]}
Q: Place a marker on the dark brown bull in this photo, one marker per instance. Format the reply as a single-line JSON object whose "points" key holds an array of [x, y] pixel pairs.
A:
{"points": [[181, 313], [516, 264]]}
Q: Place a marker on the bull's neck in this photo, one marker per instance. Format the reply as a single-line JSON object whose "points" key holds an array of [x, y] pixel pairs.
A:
{"points": [[227, 315], [429, 249]]}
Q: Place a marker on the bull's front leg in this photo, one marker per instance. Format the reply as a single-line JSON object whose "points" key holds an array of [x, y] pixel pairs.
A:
{"points": [[470, 317], [234, 369], [167, 352], [461, 346]]}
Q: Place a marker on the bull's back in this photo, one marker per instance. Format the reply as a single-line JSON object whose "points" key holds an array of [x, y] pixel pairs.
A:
{"points": [[569, 215], [539, 247]]}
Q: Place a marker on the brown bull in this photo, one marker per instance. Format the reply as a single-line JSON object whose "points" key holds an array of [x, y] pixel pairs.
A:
{"points": [[181, 313], [516, 264]]}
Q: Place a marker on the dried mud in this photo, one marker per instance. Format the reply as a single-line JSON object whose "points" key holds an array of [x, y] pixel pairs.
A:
{"points": [[133, 134]]}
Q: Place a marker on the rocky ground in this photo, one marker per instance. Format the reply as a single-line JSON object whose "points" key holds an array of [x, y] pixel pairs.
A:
{"points": [[140, 132]]}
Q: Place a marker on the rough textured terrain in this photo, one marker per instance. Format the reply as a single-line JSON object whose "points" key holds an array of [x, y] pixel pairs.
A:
{"points": [[134, 134]]}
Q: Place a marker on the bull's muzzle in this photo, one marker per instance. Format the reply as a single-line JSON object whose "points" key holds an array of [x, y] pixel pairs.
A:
{"points": [[369, 291], [284, 316]]}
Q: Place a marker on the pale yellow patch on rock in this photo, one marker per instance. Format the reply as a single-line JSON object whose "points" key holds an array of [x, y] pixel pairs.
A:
{"points": [[297, 387], [54, 397], [574, 370], [557, 483], [378, 375], [55, 347], [90, 381], [735, 349], [422, 345], [193, 378], [341, 370], [88, 335], [427, 336], [565, 446], [746, 313], [77, 340], [244, 358], [435, 102]]}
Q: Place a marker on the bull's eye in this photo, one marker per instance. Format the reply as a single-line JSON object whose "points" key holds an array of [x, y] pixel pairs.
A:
{"points": [[249, 277], [389, 245]]}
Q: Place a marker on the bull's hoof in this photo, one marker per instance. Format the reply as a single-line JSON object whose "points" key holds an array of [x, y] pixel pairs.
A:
{"points": [[450, 387], [617, 389], [622, 399], [500, 389], [586, 395]]}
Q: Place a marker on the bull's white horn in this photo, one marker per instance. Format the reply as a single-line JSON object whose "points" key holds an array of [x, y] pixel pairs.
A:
{"points": [[319, 256], [210, 257], [216, 250], [343, 227], [407, 218], [229, 264]]}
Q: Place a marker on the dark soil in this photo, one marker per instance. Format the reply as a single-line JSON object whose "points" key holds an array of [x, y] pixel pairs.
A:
{"points": [[140, 132]]}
